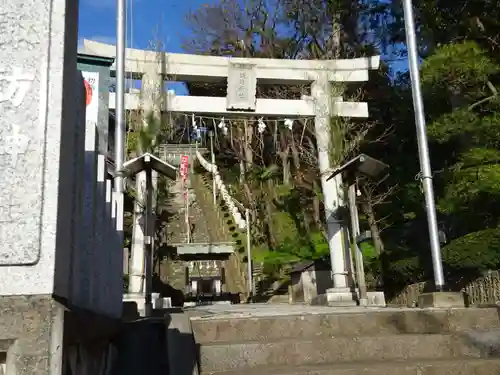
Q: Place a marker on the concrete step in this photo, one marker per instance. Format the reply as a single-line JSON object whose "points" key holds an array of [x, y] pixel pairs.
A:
{"points": [[181, 348], [294, 352], [347, 323], [202, 188], [446, 367]]}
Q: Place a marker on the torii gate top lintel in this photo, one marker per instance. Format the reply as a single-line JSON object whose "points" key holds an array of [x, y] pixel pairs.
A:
{"points": [[196, 68], [243, 75]]}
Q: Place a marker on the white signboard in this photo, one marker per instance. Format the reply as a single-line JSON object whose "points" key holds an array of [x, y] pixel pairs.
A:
{"points": [[91, 81], [241, 87]]}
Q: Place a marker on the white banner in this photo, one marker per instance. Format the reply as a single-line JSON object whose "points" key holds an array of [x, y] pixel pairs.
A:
{"points": [[91, 81]]}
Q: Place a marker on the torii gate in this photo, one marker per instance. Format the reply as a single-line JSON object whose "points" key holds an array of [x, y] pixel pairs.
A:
{"points": [[242, 75]]}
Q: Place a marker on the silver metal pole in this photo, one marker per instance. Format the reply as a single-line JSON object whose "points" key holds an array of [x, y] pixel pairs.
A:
{"points": [[120, 113], [148, 241], [423, 148], [358, 255], [251, 291]]}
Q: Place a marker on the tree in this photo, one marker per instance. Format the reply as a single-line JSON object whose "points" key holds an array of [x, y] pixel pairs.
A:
{"points": [[459, 45], [443, 21], [462, 110], [467, 128], [279, 176]]}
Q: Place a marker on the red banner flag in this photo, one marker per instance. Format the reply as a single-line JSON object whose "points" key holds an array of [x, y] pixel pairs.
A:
{"points": [[184, 167]]}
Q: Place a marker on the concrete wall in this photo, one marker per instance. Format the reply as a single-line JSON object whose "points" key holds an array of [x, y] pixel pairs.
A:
{"points": [[315, 282], [40, 336], [98, 261], [309, 284], [31, 335], [482, 291], [65, 280], [296, 288]]}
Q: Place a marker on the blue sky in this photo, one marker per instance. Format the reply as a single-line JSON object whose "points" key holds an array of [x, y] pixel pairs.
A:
{"points": [[148, 20], [152, 20]]}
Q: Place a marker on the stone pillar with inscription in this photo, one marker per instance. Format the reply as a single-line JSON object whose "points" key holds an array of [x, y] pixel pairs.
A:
{"points": [[38, 131], [42, 125], [37, 139]]}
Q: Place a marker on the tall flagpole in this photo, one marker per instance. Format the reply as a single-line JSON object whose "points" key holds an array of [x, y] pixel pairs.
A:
{"points": [[423, 148], [120, 113]]}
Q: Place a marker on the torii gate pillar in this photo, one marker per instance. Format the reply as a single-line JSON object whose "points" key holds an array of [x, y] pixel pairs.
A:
{"points": [[321, 92]]}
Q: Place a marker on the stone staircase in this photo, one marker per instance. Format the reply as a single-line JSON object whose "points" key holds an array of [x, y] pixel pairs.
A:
{"points": [[206, 221], [224, 218], [351, 342], [235, 266], [201, 214], [176, 228], [205, 226], [219, 232], [210, 224]]}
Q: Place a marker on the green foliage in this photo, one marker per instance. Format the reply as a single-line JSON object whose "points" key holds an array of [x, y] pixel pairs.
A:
{"points": [[149, 133], [478, 251], [283, 190], [468, 136], [480, 156], [295, 249], [268, 172], [283, 225], [453, 124], [462, 123], [368, 250], [407, 270], [132, 142], [467, 187], [459, 65]]}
